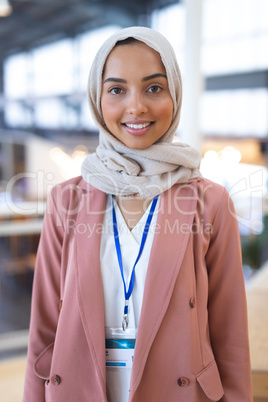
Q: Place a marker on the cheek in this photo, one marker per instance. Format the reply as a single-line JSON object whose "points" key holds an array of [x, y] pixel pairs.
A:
{"points": [[165, 112], [110, 111]]}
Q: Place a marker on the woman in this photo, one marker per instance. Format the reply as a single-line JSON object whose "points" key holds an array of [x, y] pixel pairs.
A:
{"points": [[140, 256]]}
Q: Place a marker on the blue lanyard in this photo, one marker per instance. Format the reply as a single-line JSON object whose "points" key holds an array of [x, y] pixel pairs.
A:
{"points": [[119, 257]]}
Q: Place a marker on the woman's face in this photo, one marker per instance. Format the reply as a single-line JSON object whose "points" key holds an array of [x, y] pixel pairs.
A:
{"points": [[136, 103]]}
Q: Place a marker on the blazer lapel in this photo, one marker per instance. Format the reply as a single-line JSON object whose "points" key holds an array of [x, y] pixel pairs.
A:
{"points": [[89, 282], [175, 218]]}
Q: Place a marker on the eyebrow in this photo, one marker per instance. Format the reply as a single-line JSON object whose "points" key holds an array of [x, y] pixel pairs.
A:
{"points": [[112, 79], [121, 80], [150, 77]]}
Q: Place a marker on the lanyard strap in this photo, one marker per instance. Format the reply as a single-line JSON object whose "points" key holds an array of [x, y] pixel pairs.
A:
{"points": [[119, 256]]}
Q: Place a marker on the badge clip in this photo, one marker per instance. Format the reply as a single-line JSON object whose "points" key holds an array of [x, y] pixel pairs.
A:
{"points": [[125, 316], [125, 322]]}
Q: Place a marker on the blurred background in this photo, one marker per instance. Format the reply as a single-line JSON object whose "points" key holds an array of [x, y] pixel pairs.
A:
{"points": [[46, 50]]}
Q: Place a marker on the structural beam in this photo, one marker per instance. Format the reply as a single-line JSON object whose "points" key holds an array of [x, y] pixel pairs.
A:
{"points": [[192, 80], [254, 79]]}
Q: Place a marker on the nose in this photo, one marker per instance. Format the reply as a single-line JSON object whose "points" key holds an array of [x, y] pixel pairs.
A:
{"points": [[136, 104]]}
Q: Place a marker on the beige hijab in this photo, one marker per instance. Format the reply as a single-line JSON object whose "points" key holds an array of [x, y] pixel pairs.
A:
{"points": [[117, 169]]}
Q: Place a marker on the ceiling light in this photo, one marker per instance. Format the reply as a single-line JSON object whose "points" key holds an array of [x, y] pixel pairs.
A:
{"points": [[5, 8]]}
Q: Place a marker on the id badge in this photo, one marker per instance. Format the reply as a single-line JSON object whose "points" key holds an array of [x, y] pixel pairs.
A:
{"points": [[119, 348], [119, 353]]}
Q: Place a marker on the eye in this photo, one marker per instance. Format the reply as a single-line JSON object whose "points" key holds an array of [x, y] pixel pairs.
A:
{"points": [[116, 91], [154, 89]]}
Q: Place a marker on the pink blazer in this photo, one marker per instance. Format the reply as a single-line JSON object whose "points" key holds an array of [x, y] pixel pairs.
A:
{"points": [[192, 341]]}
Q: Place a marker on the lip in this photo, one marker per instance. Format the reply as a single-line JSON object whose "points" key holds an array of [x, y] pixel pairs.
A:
{"points": [[137, 131], [137, 122]]}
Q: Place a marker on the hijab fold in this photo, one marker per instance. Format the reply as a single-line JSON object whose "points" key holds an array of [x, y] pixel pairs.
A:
{"points": [[117, 169]]}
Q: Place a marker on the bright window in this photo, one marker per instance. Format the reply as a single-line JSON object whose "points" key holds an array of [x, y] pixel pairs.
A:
{"points": [[53, 69], [236, 112]]}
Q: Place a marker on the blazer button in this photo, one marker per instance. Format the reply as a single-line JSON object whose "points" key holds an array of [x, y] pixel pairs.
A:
{"points": [[192, 302], [183, 382], [55, 379]]}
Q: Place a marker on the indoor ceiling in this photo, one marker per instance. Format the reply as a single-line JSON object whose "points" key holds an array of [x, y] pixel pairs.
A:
{"points": [[35, 22]]}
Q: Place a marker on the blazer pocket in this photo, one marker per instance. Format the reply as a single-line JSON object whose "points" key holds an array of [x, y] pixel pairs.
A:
{"points": [[210, 382], [43, 362]]}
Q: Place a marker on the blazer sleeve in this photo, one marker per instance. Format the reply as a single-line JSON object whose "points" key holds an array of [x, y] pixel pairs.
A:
{"points": [[227, 305], [45, 298]]}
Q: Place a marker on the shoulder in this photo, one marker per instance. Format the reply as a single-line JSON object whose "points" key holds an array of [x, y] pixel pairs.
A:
{"points": [[215, 201], [211, 198], [68, 194], [203, 189], [210, 191], [73, 185], [74, 182]]}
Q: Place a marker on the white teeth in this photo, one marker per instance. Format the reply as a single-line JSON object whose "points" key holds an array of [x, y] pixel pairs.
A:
{"points": [[138, 126]]}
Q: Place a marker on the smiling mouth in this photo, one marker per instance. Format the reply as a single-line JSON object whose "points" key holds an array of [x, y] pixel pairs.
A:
{"points": [[137, 126]]}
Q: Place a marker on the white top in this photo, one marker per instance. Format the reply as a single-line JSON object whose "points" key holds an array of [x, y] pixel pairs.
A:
{"points": [[118, 380]]}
